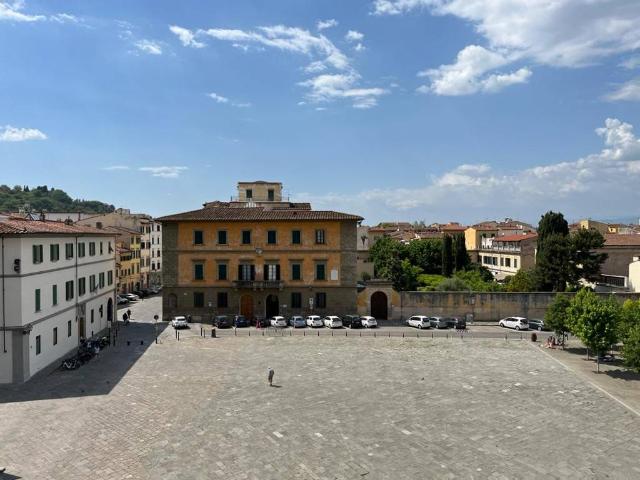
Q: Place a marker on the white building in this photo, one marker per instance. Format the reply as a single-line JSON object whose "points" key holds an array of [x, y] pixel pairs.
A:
{"points": [[634, 275], [57, 284]]}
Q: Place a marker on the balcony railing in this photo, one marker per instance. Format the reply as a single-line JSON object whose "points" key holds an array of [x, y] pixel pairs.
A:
{"points": [[259, 284], [499, 248]]}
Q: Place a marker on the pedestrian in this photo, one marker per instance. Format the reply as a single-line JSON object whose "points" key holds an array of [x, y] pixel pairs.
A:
{"points": [[125, 318], [128, 313], [270, 376]]}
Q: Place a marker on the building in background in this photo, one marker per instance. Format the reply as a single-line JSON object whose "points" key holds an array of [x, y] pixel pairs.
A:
{"points": [[129, 276], [478, 236], [621, 250], [505, 255], [150, 233], [58, 285], [259, 255]]}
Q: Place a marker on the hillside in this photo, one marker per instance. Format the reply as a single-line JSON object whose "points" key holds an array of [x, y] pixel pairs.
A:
{"points": [[48, 199]]}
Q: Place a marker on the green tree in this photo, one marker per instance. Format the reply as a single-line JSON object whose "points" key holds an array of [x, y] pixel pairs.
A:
{"points": [[475, 280], [551, 223], [629, 318], [447, 256], [386, 254], [405, 277], [556, 316], [453, 284], [585, 262], [461, 258], [594, 321], [522, 281], [426, 254], [631, 349], [553, 270]]}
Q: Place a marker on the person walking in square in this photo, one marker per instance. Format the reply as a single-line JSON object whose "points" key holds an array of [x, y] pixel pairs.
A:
{"points": [[270, 376]]}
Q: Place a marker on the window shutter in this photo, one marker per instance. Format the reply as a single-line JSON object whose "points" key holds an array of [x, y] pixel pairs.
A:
{"points": [[253, 272], [278, 272], [240, 272]]}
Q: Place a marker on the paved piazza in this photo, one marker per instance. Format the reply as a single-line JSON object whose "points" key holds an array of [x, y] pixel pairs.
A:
{"points": [[342, 408]]}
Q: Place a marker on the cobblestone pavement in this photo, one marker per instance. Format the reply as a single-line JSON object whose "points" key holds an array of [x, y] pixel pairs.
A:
{"points": [[341, 408]]}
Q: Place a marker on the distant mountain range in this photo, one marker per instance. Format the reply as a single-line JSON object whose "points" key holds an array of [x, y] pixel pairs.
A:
{"points": [[42, 198]]}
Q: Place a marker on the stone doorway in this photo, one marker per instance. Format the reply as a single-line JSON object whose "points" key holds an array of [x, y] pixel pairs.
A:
{"points": [[272, 306], [379, 308], [246, 306]]}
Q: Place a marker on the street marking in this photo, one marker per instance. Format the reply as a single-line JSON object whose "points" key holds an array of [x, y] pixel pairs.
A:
{"points": [[278, 434]]}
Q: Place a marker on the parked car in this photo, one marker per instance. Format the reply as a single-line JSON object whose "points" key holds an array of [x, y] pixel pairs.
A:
{"points": [[438, 322], [262, 322], [132, 297], [368, 322], [517, 323], [314, 321], [122, 300], [240, 321], [155, 289], [536, 324], [347, 319], [222, 321], [179, 322], [297, 321], [352, 321], [278, 321], [419, 321], [332, 321], [140, 293], [457, 322]]}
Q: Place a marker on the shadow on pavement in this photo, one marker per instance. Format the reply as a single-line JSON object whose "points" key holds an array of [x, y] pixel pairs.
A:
{"points": [[7, 476], [97, 377], [627, 375]]}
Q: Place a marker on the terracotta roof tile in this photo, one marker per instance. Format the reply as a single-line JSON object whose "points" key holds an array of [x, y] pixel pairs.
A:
{"points": [[515, 238], [21, 226], [621, 240], [235, 214]]}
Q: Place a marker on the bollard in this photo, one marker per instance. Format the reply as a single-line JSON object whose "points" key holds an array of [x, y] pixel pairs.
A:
{"points": [[249, 332], [235, 332], [505, 337], [389, 333], [128, 343], [201, 332], [263, 333], [318, 332], [374, 334], [332, 333], [141, 342], [178, 335], [290, 332], [304, 334], [361, 334], [402, 334], [213, 333], [345, 333], [432, 335]]}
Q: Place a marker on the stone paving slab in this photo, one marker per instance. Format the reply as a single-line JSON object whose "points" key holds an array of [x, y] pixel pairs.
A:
{"points": [[343, 408]]}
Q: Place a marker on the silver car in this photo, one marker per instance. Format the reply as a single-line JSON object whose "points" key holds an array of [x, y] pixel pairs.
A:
{"points": [[438, 322]]}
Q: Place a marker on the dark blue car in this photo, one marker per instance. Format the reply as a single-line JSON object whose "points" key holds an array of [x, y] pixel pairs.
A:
{"points": [[240, 321]]}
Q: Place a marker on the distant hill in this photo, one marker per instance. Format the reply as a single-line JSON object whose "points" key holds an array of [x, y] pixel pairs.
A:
{"points": [[37, 199]]}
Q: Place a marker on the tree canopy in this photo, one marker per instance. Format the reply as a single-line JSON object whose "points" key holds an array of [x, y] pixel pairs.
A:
{"points": [[43, 198]]}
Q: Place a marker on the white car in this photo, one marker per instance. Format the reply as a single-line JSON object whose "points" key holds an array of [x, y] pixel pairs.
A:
{"points": [[314, 321], [132, 297], [369, 322], [332, 322], [179, 322], [122, 300], [278, 321], [419, 321], [518, 323]]}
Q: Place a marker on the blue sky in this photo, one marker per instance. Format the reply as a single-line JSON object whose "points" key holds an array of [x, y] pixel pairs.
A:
{"points": [[430, 110]]}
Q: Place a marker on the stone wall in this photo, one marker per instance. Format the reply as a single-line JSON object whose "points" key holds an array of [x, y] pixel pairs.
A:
{"points": [[480, 305]]}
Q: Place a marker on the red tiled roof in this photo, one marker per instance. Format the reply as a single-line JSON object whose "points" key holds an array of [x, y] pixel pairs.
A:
{"points": [[515, 238], [621, 240], [235, 214], [21, 226]]}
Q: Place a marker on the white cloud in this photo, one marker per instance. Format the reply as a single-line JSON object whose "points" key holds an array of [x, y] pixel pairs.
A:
{"points": [[597, 184], [14, 134], [221, 99], [64, 18], [354, 36], [291, 39], [629, 91], [113, 168], [324, 24], [328, 87], [469, 74], [148, 46], [359, 47], [164, 172], [12, 11], [186, 36], [631, 63], [560, 33]]}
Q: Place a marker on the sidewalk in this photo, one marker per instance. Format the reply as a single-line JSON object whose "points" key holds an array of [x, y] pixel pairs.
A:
{"points": [[614, 379]]}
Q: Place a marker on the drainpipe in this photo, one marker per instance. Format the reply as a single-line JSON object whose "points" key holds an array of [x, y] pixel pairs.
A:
{"points": [[4, 320]]}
